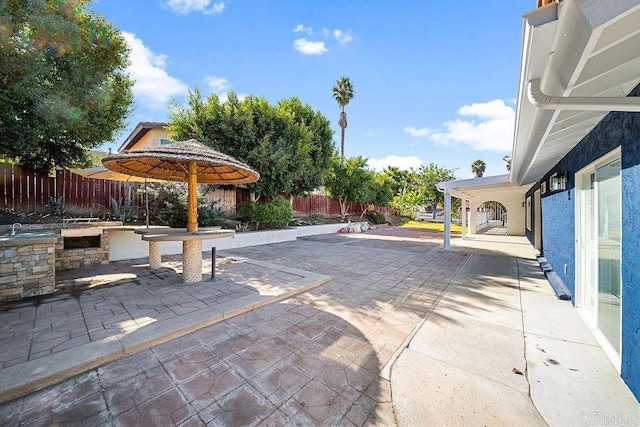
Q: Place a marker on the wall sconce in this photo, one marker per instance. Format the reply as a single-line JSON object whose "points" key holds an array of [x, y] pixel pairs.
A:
{"points": [[558, 182]]}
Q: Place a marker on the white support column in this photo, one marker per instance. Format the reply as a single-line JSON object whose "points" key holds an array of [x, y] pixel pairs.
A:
{"points": [[447, 218], [463, 217], [473, 218]]}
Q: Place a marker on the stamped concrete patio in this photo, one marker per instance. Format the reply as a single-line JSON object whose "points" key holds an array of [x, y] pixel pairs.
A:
{"points": [[272, 341]]}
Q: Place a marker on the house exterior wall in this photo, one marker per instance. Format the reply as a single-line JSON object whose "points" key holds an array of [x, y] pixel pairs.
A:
{"points": [[511, 199], [622, 130], [558, 234], [151, 139]]}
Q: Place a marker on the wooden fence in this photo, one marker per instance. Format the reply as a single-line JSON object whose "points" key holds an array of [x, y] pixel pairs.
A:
{"points": [[24, 190], [326, 206]]}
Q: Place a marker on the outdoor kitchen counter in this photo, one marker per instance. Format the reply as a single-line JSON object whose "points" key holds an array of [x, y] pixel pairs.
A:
{"points": [[23, 238]]}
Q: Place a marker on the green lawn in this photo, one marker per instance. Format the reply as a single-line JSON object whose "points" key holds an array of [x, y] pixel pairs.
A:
{"points": [[433, 226]]}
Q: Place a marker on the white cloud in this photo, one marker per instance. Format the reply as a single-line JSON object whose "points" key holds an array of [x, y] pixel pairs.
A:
{"points": [[153, 86], [302, 29], [220, 86], [342, 37], [418, 133], [217, 84], [308, 47], [495, 109], [401, 162], [188, 6], [484, 126], [318, 47]]}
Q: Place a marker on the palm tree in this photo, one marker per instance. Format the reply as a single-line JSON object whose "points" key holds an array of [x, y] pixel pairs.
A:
{"points": [[478, 167], [343, 92]]}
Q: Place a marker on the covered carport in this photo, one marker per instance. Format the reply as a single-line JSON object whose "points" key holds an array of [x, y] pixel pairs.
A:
{"points": [[476, 191]]}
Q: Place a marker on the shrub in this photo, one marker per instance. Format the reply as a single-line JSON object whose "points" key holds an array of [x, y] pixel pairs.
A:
{"points": [[168, 206], [208, 213], [280, 212], [274, 214], [121, 210], [376, 217], [249, 212], [317, 216]]}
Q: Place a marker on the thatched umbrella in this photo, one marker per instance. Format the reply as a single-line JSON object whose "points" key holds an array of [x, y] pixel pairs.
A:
{"points": [[100, 172], [182, 161]]}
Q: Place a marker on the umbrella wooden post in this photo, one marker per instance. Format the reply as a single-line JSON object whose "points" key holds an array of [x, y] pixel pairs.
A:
{"points": [[192, 249], [192, 197]]}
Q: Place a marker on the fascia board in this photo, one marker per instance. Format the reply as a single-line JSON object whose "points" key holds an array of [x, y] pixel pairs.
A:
{"points": [[538, 29]]}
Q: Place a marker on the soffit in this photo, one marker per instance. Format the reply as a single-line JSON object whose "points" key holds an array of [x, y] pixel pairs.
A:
{"points": [[588, 49], [479, 188]]}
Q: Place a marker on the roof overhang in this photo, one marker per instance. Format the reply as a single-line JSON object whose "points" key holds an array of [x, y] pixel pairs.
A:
{"points": [[577, 48], [475, 188]]}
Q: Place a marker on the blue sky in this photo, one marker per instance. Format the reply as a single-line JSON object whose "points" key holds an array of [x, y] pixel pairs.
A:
{"points": [[433, 81]]}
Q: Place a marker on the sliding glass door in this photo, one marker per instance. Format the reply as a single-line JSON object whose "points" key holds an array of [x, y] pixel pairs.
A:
{"points": [[599, 251]]}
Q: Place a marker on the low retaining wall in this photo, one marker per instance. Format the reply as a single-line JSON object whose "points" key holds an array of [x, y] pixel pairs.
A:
{"points": [[125, 244]]}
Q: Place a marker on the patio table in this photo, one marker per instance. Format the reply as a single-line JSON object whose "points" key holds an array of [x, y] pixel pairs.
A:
{"points": [[191, 247]]}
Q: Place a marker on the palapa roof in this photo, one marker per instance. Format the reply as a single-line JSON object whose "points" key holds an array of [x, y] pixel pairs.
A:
{"points": [[169, 162]]}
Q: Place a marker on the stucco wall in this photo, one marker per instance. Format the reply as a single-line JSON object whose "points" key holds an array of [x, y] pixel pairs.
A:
{"points": [[630, 176], [124, 244], [151, 139], [558, 223], [511, 200], [558, 228]]}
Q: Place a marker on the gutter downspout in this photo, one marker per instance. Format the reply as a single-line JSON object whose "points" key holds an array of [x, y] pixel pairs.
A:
{"points": [[579, 103]]}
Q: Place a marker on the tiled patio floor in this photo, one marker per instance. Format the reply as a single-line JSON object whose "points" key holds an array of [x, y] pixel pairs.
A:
{"points": [[313, 359], [122, 297]]}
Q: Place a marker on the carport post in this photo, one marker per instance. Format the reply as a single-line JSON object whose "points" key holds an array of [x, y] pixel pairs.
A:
{"points": [[463, 217], [213, 263], [447, 218]]}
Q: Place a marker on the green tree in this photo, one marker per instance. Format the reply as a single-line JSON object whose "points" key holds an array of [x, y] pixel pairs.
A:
{"points": [[378, 191], [428, 178], [289, 143], [478, 167], [418, 187], [63, 84], [407, 200], [401, 179], [348, 180], [342, 93]]}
